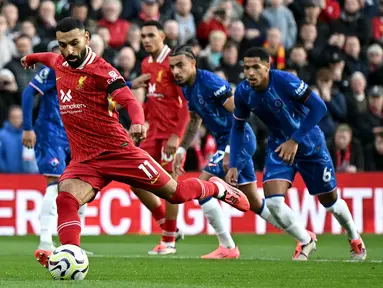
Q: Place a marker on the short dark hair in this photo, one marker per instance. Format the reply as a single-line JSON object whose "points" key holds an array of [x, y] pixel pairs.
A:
{"points": [[257, 52], [230, 44], [22, 35], [183, 50], [68, 24], [159, 26]]}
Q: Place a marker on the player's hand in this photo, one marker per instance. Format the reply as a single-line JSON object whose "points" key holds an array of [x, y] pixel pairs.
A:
{"points": [[25, 65], [172, 144], [137, 132], [232, 177], [141, 81], [29, 139], [226, 162], [178, 164], [287, 151]]}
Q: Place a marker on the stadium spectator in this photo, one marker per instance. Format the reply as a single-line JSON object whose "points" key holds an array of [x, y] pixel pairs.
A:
{"points": [[11, 148], [255, 22], [23, 47], [314, 47], [11, 14], [274, 46], [298, 61], [335, 102], [353, 60], [281, 17], [356, 101], [237, 36], [212, 54], [375, 63], [215, 19], [230, 64], [126, 63], [150, 10], [172, 31], [9, 93], [374, 153], [185, 19], [312, 10], [353, 22], [373, 118], [346, 152], [46, 22], [7, 46], [118, 28]]}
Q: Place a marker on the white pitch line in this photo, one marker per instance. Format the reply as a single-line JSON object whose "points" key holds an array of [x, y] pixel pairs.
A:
{"points": [[242, 258]]}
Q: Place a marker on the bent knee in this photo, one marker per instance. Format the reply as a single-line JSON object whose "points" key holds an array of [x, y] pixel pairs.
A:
{"points": [[275, 203], [81, 190]]}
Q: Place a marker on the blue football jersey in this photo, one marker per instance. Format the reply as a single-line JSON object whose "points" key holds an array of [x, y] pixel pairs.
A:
{"points": [[49, 114], [281, 106], [206, 98]]}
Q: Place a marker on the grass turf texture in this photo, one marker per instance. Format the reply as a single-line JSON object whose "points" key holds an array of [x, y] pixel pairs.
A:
{"points": [[122, 261]]}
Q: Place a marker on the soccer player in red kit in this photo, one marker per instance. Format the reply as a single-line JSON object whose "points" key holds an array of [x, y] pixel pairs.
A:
{"points": [[102, 150], [166, 112]]}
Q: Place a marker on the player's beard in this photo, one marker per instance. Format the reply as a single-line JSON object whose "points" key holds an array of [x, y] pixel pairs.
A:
{"points": [[80, 59]]}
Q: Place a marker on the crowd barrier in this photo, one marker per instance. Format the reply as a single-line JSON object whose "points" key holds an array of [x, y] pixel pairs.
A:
{"points": [[116, 210]]}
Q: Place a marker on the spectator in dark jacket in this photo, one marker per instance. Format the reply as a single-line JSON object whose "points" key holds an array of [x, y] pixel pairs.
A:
{"points": [[374, 153], [373, 117], [346, 152], [12, 159]]}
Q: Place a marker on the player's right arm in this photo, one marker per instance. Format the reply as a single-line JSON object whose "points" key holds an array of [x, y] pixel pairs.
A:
{"points": [[241, 113], [191, 131], [46, 58]]}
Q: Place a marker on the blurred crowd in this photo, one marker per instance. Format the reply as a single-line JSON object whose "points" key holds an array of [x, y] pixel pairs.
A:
{"points": [[335, 46]]}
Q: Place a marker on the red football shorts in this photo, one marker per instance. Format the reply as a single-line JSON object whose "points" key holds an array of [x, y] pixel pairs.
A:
{"points": [[132, 166], [155, 148]]}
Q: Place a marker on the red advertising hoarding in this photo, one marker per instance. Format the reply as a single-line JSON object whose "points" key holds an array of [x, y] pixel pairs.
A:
{"points": [[116, 210]]}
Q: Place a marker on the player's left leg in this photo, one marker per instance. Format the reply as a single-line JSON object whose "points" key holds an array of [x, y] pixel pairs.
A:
{"points": [[135, 167], [319, 176]]}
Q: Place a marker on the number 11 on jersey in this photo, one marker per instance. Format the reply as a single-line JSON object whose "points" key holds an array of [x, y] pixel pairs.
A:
{"points": [[148, 169]]}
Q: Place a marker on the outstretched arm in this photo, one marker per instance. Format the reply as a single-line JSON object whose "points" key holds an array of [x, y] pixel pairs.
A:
{"points": [[46, 58]]}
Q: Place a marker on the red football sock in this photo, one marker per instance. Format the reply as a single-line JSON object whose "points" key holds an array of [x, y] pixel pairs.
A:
{"points": [[69, 225], [169, 231], [159, 215], [193, 188]]}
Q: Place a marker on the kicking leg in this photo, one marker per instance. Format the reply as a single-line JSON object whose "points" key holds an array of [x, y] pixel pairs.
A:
{"points": [[339, 209], [48, 214], [275, 191]]}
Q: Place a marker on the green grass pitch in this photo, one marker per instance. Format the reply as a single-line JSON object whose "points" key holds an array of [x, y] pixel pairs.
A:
{"points": [[122, 261]]}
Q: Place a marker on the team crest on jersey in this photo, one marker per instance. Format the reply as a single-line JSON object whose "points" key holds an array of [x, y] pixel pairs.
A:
{"points": [[54, 162], [81, 81], [159, 76]]}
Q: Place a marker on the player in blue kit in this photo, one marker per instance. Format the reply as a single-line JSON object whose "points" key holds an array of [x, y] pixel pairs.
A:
{"points": [[49, 140], [210, 99], [291, 111]]}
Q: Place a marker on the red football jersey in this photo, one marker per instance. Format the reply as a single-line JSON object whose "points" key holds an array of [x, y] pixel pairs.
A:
{"points": [[87, 111], [166, 108]]}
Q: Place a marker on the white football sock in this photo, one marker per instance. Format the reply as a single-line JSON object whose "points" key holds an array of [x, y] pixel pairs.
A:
{"points": [[341, 213], [48, 214], [266, 215], [81, 213], [287, 220], [214, 213]]}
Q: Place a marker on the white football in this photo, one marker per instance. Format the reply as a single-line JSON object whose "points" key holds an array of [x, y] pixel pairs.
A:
{"points": [[68, 262]]}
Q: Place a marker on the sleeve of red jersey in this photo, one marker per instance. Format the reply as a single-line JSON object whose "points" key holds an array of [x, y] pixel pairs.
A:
{"points": [[46, 58], [183, 115], [111, 81]]}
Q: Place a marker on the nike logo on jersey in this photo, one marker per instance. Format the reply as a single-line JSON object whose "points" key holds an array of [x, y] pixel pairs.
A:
{"points": [[155, 180], [58, 78]]}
